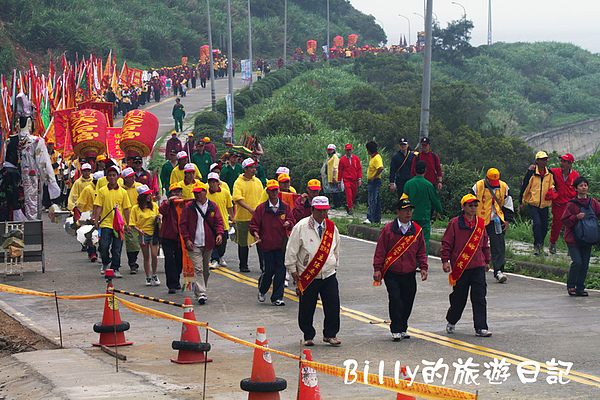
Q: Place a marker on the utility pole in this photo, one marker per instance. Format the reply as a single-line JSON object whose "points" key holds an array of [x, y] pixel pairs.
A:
{"points": [[213, 95], [489, 38], [284, 35], [426, 89], [327, 59], [230, 68], [250, 43]]}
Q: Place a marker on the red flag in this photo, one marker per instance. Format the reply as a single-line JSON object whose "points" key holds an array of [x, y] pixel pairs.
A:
{"points": [[118, 224], [124, 76], [62, 131], [154, 186], [113, 143], [136, 77]]}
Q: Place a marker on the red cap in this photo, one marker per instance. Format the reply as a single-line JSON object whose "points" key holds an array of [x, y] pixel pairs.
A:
{"points": [[568, 157], [348, 147]]}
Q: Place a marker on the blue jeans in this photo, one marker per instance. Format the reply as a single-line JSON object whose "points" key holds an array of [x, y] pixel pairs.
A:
{"points": [[108, 240], [580, 261], [374, 213], [540, 224]]}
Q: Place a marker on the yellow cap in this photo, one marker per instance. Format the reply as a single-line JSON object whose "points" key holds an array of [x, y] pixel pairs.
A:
{"points": [[174, 186], [314, 184], [272, 184], [199, 186], [283, 177], [541, 154], [468, 198]]}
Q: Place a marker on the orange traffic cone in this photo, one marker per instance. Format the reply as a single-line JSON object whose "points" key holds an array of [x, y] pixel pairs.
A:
{"points": [[191, 350], [262, 385], [111, 320], [404, 376], [309, 385]]}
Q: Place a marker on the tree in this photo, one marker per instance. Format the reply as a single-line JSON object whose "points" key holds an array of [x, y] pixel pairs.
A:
{"points": [[452, 44]]}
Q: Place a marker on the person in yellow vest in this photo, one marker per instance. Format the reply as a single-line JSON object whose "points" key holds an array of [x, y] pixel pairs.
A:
{"points": [[188, 182], [329, 175], [398, 272], [178, 173], [496, 208], [222, 198], [247, 190], [85, 203], [132, 245], [374, 183], [537, 190], [79, 185]]}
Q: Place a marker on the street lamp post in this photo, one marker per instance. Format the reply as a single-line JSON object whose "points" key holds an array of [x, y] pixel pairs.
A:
{"points": [[213, 95], [400, 15], [463, 7], [250, 43], [327, 58], [284, 35], [230, 68], [489, 38], [426, 88]]}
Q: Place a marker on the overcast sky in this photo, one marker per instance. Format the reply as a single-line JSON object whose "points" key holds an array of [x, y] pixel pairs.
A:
{"points": [[575, 21]]}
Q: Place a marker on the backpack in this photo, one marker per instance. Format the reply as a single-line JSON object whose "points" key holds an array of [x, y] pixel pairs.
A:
{"points": [[585, 231]]}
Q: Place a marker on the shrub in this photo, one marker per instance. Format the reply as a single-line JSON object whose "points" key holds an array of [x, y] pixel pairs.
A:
{"points": [[244, 99], [222, 108], [266, 90], [255, 95], [208, 118], [238, 108], [286, 121]]}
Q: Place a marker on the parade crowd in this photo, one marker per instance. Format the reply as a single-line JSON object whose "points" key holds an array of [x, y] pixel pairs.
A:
{"points": [[210, 200]]}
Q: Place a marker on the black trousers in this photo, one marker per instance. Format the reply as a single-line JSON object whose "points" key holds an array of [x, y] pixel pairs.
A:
{"points": [[497, 248], [402, 290], [173, 262], [330, 297], [274, 272], [475, 280]]}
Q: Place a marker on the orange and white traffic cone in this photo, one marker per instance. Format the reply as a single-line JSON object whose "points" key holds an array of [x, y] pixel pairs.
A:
{"points": [[309, 385], [191, 350], [404, 376], [111, 320], [262, 385]]}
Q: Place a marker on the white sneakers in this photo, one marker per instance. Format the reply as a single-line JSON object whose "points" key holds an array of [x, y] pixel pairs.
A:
{"points": [[213, 265], [500, 277], [155, 281], [222, 262]]}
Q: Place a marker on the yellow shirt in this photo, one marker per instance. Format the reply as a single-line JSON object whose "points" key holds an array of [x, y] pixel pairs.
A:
{"points": [[186, 190], [179, 174], [143, 219], [104, 181], [85, 202], [107, 200], [76, 190], [332, 168], [132, 192], [248, 190], [223, 200], [374, 164]]}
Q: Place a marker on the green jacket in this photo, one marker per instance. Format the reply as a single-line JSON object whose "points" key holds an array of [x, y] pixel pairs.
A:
{"points": [[230, 174], [178, 111], [203, 162], [423, 196], [261, 175], [165, 174]]}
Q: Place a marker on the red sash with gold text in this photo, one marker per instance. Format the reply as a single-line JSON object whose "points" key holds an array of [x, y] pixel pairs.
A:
{"points": [[467, 253], [316, 264], [396, 252]]}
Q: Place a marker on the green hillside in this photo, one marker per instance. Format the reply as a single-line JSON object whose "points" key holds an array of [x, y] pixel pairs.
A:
{"points": [[160, 32], [528, 86]]}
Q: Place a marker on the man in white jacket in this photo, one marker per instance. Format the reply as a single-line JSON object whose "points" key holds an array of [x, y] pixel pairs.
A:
{"points": [[312, 257]]}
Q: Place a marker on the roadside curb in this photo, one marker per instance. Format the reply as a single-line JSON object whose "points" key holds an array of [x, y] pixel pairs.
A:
{"points": [[372, 234]]}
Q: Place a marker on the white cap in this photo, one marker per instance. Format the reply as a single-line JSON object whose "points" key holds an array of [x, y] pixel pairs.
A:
{"points": [[86, 166], [98, 175], [189, 167], [248, 162], [214, 165], [143, 189], [181, 154], [114, 168], [320, 202], [331, 147], [282, 170], [127, 172], [213, 175]]}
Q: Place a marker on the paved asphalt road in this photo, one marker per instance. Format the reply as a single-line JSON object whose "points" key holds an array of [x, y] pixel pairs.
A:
{"points": [[531, 320]]}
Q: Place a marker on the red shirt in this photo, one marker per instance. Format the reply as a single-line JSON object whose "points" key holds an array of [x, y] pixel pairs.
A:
{"points": [[456, 237], [407, 263], [269, 225], [349, 170], [302, 209], [434, 169], [563, 187]]}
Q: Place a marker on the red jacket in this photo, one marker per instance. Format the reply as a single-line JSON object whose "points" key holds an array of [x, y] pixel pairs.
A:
{"points": [[569, 217], [456, 236], [302, 209], [349, 171], [269, 225], [434, 169], [564, 189], [407, 263], [169, 229], [189, 222]]}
